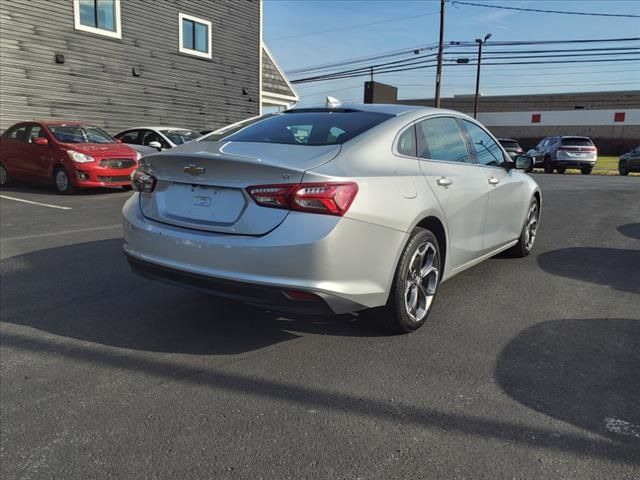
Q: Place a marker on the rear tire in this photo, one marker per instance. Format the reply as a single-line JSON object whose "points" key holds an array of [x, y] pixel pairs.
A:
{"points": [[623, 169], [414, 285], [561, 170], [5, 179], [62, 182], [548, 167], [586, 170], [529, 231]]}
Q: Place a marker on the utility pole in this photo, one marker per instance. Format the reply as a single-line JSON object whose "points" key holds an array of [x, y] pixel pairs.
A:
{"points": [[480, 43], [440, 51]]}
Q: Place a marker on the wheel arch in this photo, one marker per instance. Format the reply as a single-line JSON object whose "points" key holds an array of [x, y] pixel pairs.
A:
{"points": [[436, 226]]}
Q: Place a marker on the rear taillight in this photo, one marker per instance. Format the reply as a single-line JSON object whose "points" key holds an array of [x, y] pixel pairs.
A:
{"points": [[328, 198], [142, 181]]}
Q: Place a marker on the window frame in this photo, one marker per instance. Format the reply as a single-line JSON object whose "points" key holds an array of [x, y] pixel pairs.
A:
{"points": [[95, 30], [474, 152], [196, 53]]}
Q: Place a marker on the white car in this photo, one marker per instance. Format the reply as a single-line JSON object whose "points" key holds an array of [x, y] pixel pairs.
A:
{"points": [[160, 138]]}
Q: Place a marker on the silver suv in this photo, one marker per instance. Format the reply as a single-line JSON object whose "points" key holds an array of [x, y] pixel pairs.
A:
{"points": [[564, 152]]}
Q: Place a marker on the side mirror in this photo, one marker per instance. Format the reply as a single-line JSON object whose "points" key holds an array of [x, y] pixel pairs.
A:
{"points": [[523, 162], [155, 145], [41, 141]]}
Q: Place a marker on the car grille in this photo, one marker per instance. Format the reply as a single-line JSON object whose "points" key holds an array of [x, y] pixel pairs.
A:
{"points": [[117, 163], [122, 178]]}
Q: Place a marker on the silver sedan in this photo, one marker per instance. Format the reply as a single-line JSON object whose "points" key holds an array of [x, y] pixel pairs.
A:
{"points": [[336, 209]]}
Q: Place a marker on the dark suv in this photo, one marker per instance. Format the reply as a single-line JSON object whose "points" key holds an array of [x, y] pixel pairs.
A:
{"points": [[564, 152]]}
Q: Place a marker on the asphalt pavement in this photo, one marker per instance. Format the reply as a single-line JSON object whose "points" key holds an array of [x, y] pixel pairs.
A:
{"points": [[528, 368]]}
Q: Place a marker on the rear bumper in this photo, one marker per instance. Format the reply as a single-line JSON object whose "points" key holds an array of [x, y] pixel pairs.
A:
{"points": [[348, 263], [262, 296], [575, 163]]}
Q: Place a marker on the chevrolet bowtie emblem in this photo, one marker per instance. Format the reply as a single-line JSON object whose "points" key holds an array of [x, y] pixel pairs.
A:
{"points": [[194, 170]]}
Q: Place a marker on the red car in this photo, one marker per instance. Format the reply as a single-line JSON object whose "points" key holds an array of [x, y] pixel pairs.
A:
{"points": [[70, 155]]}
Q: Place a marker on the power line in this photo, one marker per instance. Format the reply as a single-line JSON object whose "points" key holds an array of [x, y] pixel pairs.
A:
{"points": [[351, 27], [457, 44], [536, 10], [404, 69]]}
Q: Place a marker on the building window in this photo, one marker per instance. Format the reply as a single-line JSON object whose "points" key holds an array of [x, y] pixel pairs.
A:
{"points": [[535, 118], [618, 116], [98, 16], [195, 36]]}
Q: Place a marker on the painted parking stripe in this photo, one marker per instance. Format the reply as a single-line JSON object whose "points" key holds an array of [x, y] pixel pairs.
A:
{"points": [[68, 232], [7, 197]]}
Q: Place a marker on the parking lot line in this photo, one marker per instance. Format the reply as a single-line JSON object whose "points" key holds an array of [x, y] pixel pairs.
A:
{"points": [[7, 197], [67, 232]]}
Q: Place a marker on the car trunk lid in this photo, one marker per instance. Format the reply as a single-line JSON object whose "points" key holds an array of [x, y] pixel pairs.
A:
{"points": [[201, 185]]}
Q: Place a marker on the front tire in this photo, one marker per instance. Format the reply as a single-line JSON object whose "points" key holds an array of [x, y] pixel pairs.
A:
{"points": [[62, 182], [623, 169], [561, 170], [5, 179], [414, 285], [529, 231], [586, 170]]}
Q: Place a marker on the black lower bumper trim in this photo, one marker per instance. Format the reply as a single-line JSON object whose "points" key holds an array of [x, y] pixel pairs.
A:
{"points": [[267, 297]]}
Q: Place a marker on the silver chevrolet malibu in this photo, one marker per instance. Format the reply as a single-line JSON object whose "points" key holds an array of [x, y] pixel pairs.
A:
{"points": [[335, 209]]}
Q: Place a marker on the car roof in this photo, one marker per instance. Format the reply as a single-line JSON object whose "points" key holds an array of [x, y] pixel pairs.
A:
{"points": [[58, 121], [388, 108]]}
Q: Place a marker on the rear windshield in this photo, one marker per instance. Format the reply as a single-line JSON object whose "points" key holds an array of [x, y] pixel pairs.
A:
{"points": [[231, 129], [310, 127], [577, 142], [79, 134], [509, 144]]}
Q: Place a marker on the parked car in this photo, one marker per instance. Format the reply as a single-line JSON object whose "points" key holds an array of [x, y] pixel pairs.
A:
{"points": [[562, 152], [159, 138], [511, 146], [629, 162], [372, 210], [70, 155]]}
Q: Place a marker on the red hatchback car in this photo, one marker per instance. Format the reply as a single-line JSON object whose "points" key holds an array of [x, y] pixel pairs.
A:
{"points": [[70, 155]]}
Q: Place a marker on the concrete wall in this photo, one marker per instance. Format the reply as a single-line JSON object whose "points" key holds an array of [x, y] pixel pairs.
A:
{"points": [[96, 83]]}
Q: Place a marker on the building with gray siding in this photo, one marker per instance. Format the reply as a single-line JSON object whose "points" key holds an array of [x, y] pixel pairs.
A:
{"points": [[119, 63]]}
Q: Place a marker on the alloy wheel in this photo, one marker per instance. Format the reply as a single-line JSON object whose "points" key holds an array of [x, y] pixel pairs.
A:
{"points": [[421, 281], [531, 227]]}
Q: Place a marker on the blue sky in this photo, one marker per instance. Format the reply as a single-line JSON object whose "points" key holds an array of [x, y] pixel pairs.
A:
{"points": [[285, 18]]}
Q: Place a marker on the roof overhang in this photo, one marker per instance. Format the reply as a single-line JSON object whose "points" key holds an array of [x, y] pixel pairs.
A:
{"points": [[284, 94]]}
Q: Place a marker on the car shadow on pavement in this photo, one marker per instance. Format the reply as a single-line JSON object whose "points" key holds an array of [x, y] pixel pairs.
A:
{"points": [[585, 372], [88, 292], [616, 268], [631, 230]]}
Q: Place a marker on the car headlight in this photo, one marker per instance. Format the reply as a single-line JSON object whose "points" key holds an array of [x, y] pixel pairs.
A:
{"points": [[142, 181], [80, 157]]}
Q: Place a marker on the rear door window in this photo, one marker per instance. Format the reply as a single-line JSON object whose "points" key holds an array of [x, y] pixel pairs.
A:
{"points": [[310, 127], [441, 139]]}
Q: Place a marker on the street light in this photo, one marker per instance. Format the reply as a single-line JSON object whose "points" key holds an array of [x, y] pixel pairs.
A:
{"points": [[480, 42]]}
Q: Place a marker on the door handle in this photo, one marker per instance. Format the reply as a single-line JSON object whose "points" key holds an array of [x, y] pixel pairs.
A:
{"points": [[444, 181], [493, 181]]}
